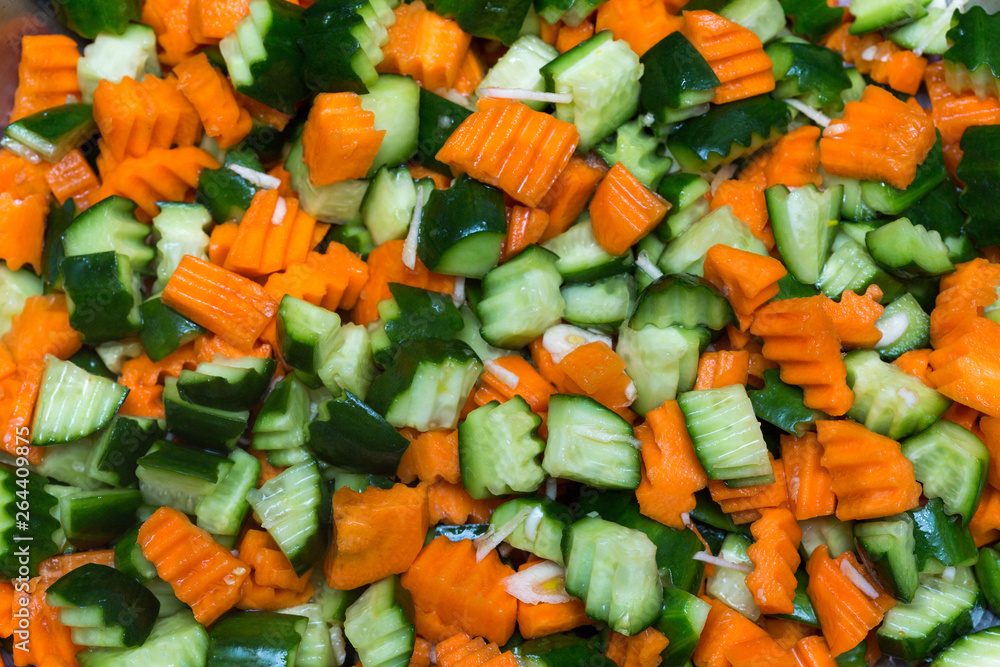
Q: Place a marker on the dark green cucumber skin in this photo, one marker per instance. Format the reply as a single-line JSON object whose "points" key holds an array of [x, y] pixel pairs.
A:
{"points": [[218, 429], [106, 515], [715, 311], [164, 330], [708, 512], [492, 19], [941, 537], [277, 79], [782, 405], [196, 463], [351, 435], [87, 18], [64, 126], [804, 612], [562, 651], [808, 69], [88, 359], [988, 575], [708, 140], [812, 18], [41, 525], [129, 558], [465, 209], [101, 304], [422, 314], [400, 372], [886, 199], [122, 599], [981, 175], [216, 392], [126, 441], [673, 67], [255, 639], [469, 531], [439, 117], [56, 224], [224, 193], [329, 46]]}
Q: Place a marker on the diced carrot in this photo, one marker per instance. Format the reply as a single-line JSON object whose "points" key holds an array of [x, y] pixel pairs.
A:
{"points": [[205, 348], [531, 386], [548, 618], [746, 279], [954, 113], [964, 295], [802, 339], [878, 138], [845, 612], [624, 210], [569, 195], [263, 113], [775, 555], [879, 58], [855, 316], [786, 633], [272, 581], [752, 497], [264, 245], [22, 230], [461, 650], [426, 46], [641, 23], [735, 54], [723, 368], [761, 652], [746, 198], [222, 239], [212, 96], [20, 178], [171, 21], [236, 309], [41, 328], [813, 652], [431, 457], [870, 475], [571, 36], [453, 592], [50, 642], [985, 523], [671, 472], [524, 227], [421, 653], [724, 629], [597, 371], [340, 141], [71, 177], [470, 74], [451, 504], [512, 147], [965, 370], [917, 363], [211, 20], [794, 159], [202, 573], [46, 74], [641, 650], [810, 486]]}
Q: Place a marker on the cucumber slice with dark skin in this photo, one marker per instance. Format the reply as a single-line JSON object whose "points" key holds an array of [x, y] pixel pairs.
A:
{"points": [[908, 250], [905, 326], [498, 449], [212, 427], [164, 330], [110, 224], [681, 621], [804, 612], [300, 326], [39, 529], [336, 42], [676, 78], [886, 199], [886, 546], [981, 175], [130, 560], [87, 18], [92, 518], [804, 226], [815, 72], [88, 359], [561, 650], [225, 383], [469, 531], [255, 639], [581, 257], [179, 476], [102, 303], [782, 405], [225, 194], [463, 229], [377, 627], [414, 313], [439, 117], [350, 435], [104, 607], [283, 420], [51, 133], [812, 18], [73, 404], [941, 537], [874, 14], [493, 19], [546, 540], [952, 464], [988, 575]]}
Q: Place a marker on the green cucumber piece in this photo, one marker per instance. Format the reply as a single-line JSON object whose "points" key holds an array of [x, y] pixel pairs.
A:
{"points": [[952, 464], [72, 403], [498, 449], [462, 229]]}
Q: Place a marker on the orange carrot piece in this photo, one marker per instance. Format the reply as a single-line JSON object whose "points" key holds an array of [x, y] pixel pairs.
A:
{"points": [[870, 475], [137, 116], [531, 386], [470, 74], [212, 96], [775, 556], [385, 265], [965, 370], [418, 171], [267, 471], [46, 74], [813, 652], [264, 246], [20, 178], [845, 613], [22, 230], [426, 46], [917, 363], [786, 633], [990, 427], [879, 138], [421, 653], [452, 592], [810, 486], [452, 505], [723, 368], [41, 328], [171, 21], [985, 523], [159, 175], [855, 316], [724, 629], [211, 20], [624, 210], [881, 59], [205, 348], [431, 457], [236, 309], [746, 279], [202, 573], [735, 54], [340, 141], [794, 159], [597, 371], [671, 472], [7, 364], [964, 295], [548, 618], [641, 23], [954, 113], [71, 177], [222, 239], [571, 36], [377, 533], [569, 195], [641, 650], [50, 642], [802, 339], [510, 146], [56, 566], [749, 498], [746, 198], [272, 583], [524, 227]]}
